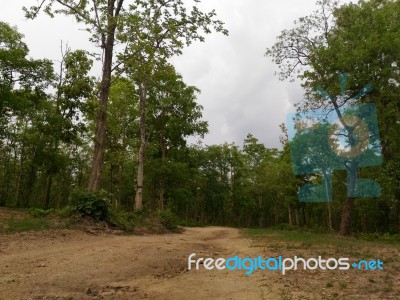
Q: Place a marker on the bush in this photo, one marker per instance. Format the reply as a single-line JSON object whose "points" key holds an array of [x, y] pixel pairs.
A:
{"points": [[168, 219], [189, 223], [15, 225], [40, 213], [123, 220], [286, 227], [94, 205], [66, 212]]}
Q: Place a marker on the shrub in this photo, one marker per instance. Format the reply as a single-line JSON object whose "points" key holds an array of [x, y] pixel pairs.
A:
{"points": [[123, 220], [66, 212], [285, 226], [94, 204], [40, 213], [168, 219]]}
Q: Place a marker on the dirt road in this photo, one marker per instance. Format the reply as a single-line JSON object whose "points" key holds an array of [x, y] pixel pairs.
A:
{"points": [[71, 264]]}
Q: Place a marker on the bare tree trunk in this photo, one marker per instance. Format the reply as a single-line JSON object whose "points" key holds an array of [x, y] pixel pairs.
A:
{"points": [[162, 191], [48, 190], [330, 217], [304, 214], [162, 179], [345, 227], [99, 140], [18, 185], [276, 215], [326, 179], [142, 148], [290, 215], [260, 204]]}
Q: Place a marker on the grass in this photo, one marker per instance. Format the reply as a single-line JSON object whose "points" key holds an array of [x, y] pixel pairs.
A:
{"points": [[17, 225], [17, 220], [336, 284], [295, 239]]}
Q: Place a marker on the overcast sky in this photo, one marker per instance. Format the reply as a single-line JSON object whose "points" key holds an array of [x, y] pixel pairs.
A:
{"points": [[239, 91]]}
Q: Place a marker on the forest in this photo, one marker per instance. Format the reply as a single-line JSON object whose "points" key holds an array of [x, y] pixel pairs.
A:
{"points": [[118, 141]]}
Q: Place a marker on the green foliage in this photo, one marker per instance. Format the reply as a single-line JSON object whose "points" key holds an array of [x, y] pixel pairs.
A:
{"points": [[168, 219], [128, 221], [45, 136], [66, 212], [16, 225], [40, 213], [286, 227], [379, 237], [92, 204], [360, 39], [124, 220], [308, 239], [189, 223]]}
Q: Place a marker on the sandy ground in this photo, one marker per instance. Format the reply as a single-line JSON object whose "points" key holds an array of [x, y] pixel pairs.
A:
{"points": [[73, 264], [70, 264]]}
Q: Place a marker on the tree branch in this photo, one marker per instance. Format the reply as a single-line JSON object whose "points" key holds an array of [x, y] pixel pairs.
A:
{"points": [[77, 12]]}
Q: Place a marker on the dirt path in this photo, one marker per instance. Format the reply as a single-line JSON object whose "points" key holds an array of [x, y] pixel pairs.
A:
{"points": [[71, 264]]}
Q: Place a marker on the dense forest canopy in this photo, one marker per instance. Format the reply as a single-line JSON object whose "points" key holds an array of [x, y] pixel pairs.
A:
{"points": [[123, 137]]}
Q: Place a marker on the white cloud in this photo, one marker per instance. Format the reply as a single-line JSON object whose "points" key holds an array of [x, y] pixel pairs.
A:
{"points": [[240, 94]]}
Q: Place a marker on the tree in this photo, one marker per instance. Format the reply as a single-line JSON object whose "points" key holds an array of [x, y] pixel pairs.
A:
{"points": [[366, 49], [173, 115], [23, 103], [356, 39], [103, 20], [294, 49], [122, 141], [161, 30]]}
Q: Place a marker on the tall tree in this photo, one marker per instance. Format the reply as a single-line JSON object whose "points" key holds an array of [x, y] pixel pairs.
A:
{"points": [[173, 115], [161, 30], [22, 103], [101, 19], [353, 38], [141, 20]]}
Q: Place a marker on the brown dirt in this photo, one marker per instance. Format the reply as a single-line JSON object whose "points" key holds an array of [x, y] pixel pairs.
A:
{"points": [[69, 264], [73, 264]]}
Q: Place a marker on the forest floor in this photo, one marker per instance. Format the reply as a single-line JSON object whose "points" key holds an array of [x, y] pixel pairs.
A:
{"points": [[76, 264]]}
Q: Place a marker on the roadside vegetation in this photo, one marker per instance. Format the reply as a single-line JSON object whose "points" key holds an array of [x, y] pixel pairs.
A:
{"points": [[114, 147], [336, 284]]}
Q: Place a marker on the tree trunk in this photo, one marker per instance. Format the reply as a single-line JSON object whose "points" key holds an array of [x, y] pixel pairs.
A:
{"points": [[48, 190], [162, 191], [276, 215], [162, 179], [330, 217], [99, 140], [140, 172], [18, 184], [260, 204], [327, 181], [345, 227], [304, 215]]}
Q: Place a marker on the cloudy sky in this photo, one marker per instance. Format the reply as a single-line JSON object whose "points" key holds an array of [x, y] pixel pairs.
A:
{"points": [[239, 91]]}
